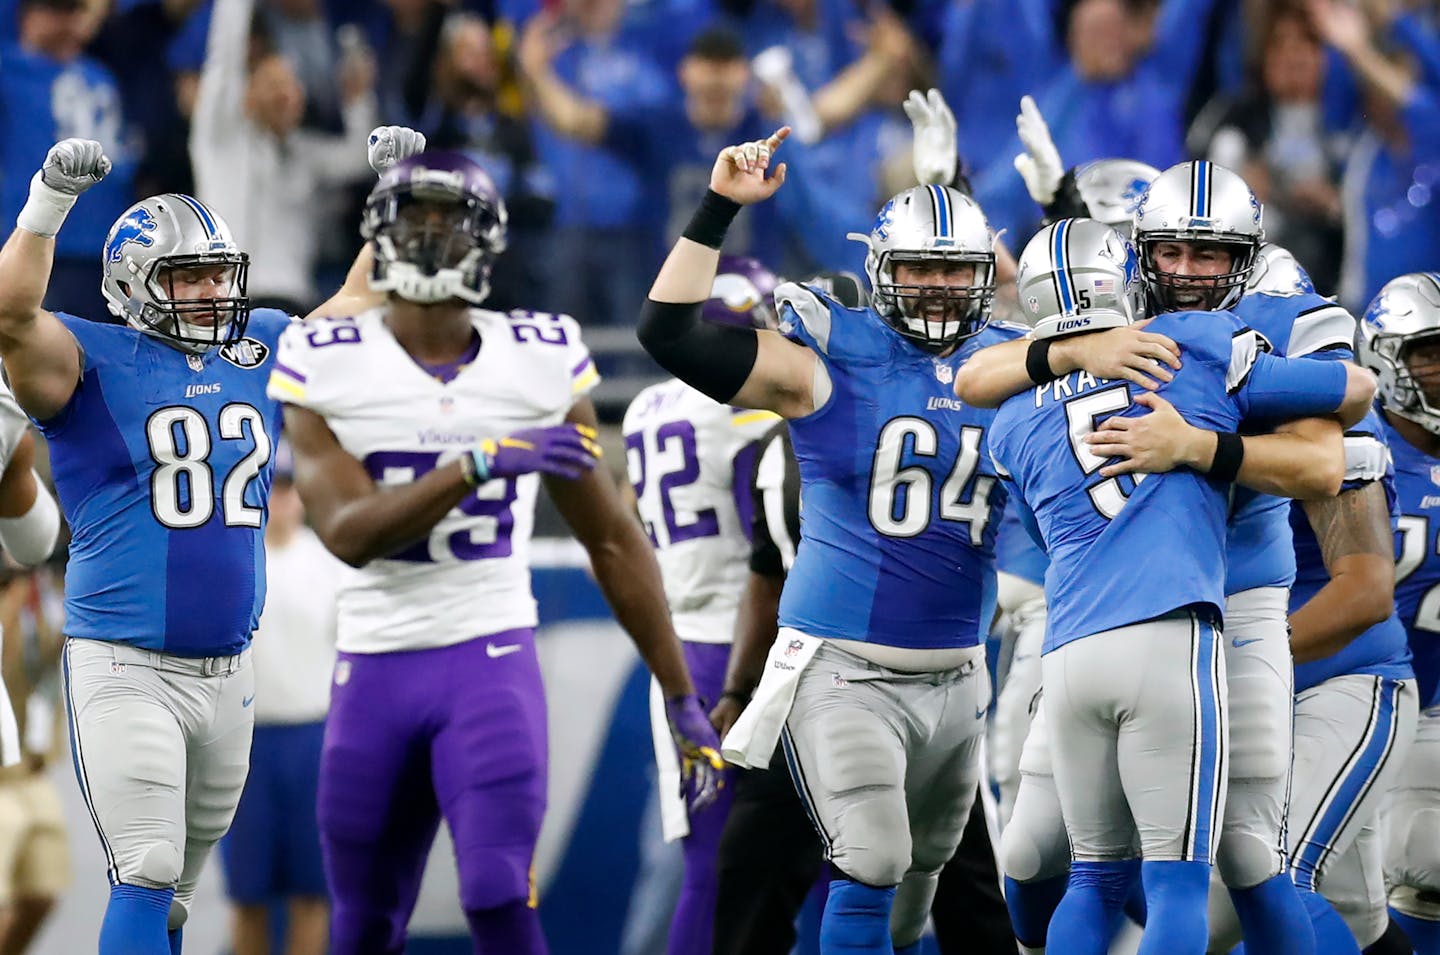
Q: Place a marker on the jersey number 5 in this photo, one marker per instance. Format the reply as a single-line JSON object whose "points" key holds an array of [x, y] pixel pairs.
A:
{"points": [[182, 485], [901, 498], [1081, 415]]}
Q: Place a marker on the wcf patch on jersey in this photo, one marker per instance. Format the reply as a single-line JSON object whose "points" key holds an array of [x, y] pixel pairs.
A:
{"points": [[246, 353]]}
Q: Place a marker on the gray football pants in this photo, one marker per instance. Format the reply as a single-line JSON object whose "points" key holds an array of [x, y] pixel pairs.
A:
{"points": [[887, 764], [162, 747]]}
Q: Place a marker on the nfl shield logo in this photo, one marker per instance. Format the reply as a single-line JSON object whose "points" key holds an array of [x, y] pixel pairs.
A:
{"points": [[944, 374], [195, 362], [1435, 474], [793, 647]]}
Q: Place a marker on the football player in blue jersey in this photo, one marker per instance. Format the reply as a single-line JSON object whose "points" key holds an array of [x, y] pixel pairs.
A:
{"points": [[1139, 752], [1401, 343], [160, 437], [877, 679]]}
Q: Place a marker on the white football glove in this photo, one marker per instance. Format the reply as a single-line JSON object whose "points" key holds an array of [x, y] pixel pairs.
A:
{"points": [[935, 153], [1039, 165], [390, 144], [74, 165]]}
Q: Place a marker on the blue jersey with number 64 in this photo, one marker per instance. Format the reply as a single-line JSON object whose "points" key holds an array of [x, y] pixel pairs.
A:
{"points": [[899, 501], [1122, 550], [162, 461]]}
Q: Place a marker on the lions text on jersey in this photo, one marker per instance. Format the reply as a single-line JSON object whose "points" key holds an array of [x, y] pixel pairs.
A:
{"points": [[401, 422], [162, 462]]}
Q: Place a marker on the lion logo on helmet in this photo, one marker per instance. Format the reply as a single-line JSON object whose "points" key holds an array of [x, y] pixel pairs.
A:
{"points": [[133, 228]]}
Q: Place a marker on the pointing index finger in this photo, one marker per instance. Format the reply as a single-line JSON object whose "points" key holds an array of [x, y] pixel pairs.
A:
{"points": [[777, 137]]}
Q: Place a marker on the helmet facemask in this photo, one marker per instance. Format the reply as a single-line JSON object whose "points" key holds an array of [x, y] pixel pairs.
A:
{"points": [[936, 315], [1415, 390], [1168, 291], [189, 322], [433, 243]]}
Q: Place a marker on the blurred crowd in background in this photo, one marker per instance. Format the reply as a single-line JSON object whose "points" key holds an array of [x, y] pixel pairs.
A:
{"points": [[599, 120]]}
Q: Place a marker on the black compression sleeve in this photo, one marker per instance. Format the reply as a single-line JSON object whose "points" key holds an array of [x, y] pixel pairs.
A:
{"points": [[713, 359]]}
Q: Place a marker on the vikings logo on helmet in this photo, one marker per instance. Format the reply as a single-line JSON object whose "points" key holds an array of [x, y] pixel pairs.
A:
{"points": [[736, 291], [132, 228]]}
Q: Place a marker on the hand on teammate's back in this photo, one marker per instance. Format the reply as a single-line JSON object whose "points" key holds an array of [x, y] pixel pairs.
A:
{"points": [[1129, 353], [700, 761], [565, 450]]}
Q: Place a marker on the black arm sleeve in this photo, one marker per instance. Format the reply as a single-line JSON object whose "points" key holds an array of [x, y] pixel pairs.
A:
{"points": [[713, 359]]}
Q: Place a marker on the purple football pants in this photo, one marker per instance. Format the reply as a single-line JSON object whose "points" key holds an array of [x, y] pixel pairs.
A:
{"points": [[692, 931], [457, 731]]}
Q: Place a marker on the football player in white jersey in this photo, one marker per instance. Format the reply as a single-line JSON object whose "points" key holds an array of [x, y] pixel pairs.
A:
{"points": [[29, 525], [690, 459], [421, 428]]}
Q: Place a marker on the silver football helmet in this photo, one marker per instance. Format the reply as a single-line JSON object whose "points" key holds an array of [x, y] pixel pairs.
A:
{"points": [[1112, 188], [931, 226], [1198, 202], [1404, 318], [1078, 275], [152, 241], [1277, 272]]}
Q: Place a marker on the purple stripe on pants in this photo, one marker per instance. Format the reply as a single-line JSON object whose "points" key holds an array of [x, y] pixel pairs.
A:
{"points": [[458, 731]]}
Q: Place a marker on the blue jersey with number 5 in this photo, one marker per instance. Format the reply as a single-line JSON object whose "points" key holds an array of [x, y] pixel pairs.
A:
{"points": [[162, 461], [1417, 559], [1122, 550], [899, 501]]}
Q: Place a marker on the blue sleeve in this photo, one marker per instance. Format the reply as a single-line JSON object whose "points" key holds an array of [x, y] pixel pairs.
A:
{"points": [[1180, 35], [1421, 116], [1283, 388], [1423, 42]]}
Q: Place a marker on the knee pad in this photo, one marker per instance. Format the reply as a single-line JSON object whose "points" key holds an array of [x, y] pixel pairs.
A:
{"points": [[1412, 857], [179, 914], [159, 867], [1246, 858], [1034, 845], [874, 864], [492, 877], [913, 900]]}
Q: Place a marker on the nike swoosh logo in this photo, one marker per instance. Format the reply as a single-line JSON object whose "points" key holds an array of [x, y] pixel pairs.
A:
{"points": [[1245, 643], [248, 700], [492, 651]]}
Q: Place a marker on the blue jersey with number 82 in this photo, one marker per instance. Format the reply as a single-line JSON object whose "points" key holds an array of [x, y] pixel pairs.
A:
{"points": [[1123, 551], [899, 502], [162, 461]]}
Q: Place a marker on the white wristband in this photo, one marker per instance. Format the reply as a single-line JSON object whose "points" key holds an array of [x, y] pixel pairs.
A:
{"points": [[46, 209], [31, 537]]}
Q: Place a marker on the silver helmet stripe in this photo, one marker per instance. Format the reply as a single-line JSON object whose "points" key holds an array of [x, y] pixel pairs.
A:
{"points": [[200, 211]]}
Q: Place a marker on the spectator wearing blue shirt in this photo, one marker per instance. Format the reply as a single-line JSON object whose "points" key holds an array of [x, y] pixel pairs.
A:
{"points": [[49, 91], [452, 93], [598, 103], [1391, 189], [1122, 93]]}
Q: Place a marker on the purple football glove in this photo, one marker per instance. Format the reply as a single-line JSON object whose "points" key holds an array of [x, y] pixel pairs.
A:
{"points": [[701, 765], [564, 450]]}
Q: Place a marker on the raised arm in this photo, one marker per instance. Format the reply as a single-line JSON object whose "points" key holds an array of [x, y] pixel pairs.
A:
{"points": [[564, 110], [42, 359], [738, 366], [1353, 530], [29, 516], [216, 132]]}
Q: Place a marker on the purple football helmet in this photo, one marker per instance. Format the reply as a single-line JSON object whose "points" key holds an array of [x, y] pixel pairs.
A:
{"points": [[438, 223], [743, 294]]}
